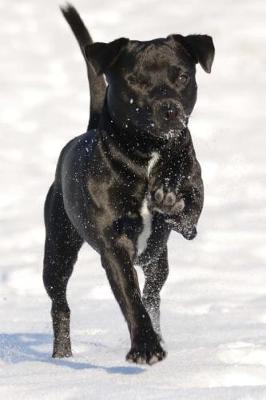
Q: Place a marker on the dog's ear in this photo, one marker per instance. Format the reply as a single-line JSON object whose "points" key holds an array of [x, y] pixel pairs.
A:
{"points": [[200, 47], [103, 55]]}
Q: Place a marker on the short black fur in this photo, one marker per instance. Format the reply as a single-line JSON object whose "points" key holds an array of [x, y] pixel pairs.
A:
{"points": [[123, 186]]}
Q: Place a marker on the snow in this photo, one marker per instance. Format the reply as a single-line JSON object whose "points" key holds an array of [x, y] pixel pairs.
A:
{"points": [[214, 302]]}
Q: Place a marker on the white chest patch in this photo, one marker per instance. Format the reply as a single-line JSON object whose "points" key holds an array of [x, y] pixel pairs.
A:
{"points": [[145, 213], [154, 158], [146, 231]]}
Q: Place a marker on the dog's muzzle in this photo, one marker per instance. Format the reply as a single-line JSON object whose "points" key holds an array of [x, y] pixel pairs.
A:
{"points": [[171, 117], [169, 111]]}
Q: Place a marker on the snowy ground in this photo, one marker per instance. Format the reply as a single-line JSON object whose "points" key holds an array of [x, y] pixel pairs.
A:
{"points": [[214, 303]]}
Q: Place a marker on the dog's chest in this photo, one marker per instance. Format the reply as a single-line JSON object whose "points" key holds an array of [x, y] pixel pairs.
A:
{"points": [[145, 213]]}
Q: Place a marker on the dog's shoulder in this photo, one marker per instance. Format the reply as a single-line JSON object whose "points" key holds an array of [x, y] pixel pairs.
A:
{"points": [[76, 152], [80, 144]]}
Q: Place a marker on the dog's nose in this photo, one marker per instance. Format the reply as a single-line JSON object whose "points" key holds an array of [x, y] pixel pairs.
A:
{"points": [[171, 114], [169, 111]]}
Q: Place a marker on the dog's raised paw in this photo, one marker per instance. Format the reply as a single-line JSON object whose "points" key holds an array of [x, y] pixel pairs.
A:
{"points": [[189, 234], [166, 201]]}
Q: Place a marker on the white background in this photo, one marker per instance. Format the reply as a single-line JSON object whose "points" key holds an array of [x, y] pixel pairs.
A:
{"points": [[214, 303]]}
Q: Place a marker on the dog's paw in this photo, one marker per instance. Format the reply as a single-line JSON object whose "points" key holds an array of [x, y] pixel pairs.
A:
{"points": [[62, 350], [62, 353], [146, 353], [187, 229], [166, 200], [189, 233]]}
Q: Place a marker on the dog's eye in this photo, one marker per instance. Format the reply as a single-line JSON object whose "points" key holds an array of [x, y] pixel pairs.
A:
{"points": [[183, 78]]}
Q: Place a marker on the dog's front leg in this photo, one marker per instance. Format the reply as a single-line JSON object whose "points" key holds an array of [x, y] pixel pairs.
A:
{"points": [[186, 221], [117, 262], [178, 196], [182, 210]]}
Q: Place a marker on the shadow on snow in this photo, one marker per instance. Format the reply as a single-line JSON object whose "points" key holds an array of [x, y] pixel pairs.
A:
{"points": [[21, 347]]}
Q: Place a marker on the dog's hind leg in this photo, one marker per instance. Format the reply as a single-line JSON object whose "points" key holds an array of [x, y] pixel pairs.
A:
{"points": [[61, 249], [155, 276]]}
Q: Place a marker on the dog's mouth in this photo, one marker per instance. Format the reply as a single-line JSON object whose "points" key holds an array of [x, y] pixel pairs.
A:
{"points": [[169, 129], [166, 120], [173, 134], [161, 120]]}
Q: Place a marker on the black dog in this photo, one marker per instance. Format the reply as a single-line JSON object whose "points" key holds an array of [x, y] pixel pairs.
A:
{"points": [[132, 178]]}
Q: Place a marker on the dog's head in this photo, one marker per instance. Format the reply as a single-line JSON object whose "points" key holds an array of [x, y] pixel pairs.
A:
{"points": [[151, 85]]}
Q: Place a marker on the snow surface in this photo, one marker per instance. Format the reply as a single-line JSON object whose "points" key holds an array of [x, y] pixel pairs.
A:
{"points": [[214, 303]]}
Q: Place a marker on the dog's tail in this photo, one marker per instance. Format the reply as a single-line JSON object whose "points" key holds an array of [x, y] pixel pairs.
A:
{"points": [[97, 83]]}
